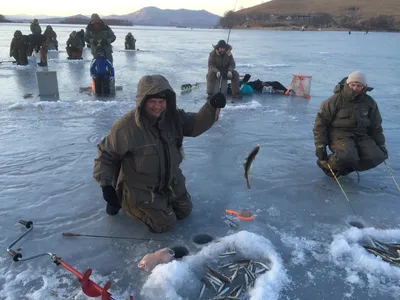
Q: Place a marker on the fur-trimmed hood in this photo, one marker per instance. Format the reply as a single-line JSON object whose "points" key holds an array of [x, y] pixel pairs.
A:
{"points": [[228, 50]]}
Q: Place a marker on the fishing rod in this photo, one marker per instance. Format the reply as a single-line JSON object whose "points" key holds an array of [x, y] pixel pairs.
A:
{"points": [[344, 193], [70, 234], [89, 287], [229, 32], [8, 61], [217, 111], [220, 80]]}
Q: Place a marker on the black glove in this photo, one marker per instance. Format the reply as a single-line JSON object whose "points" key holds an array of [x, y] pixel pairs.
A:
{"points": [[321, 153], [110, 195], [218, 100], [384, 150]]}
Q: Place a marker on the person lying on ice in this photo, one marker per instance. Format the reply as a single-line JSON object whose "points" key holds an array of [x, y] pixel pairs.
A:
{"points": [[349, 122], [102, 72], [248, 87], [138, 162]]}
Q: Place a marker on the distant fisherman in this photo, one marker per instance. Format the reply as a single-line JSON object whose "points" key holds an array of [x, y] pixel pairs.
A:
{"points": [[349, 122], [130, 42], [74, 46], [51, 36], [99, 34], [19, 47], [221, 65]]}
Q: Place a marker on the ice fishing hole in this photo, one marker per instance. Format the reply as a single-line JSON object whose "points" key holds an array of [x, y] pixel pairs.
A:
{"points": [[357, 224], [202, 239], [180, 251]]}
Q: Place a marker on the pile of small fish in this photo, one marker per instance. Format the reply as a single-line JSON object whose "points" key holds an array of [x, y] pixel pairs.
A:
{"points": [[233, 278], [389, 252]]}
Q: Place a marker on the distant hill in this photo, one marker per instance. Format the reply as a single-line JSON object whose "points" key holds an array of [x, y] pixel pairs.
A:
{"points": [[81, 19], [3, 19], [357, 14], [172, 17], [151, 16]]}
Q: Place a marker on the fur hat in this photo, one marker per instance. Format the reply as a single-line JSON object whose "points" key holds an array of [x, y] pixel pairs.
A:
{"points": [[357, 76], [221, 44]]}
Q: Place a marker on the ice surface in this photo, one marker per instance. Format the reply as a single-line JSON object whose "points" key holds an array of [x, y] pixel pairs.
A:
{"points": [[48, 147]]}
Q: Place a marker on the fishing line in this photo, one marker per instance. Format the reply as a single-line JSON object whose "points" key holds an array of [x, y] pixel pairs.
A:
{"points": [[391, 174], [344, 193]]}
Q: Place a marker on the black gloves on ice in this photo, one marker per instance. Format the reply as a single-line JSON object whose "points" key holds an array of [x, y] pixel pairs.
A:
{"points": [[110, 195], [218, 100]]}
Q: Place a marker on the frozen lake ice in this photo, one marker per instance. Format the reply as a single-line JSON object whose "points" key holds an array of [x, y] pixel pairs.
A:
{"points": [[48, 148]]}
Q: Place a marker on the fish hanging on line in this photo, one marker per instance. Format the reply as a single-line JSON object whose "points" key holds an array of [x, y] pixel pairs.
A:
{"points": [[249, 160]]}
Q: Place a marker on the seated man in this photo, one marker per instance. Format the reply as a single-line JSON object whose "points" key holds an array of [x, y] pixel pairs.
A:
{"points": [[130, 42], [19, 48], [102, 72], [52, 37], [349, 123], [221, 64], [74, 46]]}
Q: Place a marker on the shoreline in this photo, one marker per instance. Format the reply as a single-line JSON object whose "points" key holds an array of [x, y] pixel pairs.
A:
{"points": [[294, 28]]}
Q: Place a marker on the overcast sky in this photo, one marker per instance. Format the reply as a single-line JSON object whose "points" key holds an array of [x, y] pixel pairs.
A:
{"points": [[118, 7]]}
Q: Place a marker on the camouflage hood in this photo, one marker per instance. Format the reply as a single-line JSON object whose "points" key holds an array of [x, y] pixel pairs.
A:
{"points": [[151, 85]]}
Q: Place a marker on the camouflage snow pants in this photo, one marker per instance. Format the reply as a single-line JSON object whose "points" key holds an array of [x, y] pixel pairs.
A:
{"points": [[359, 153], [162, 218], [212, 80]]}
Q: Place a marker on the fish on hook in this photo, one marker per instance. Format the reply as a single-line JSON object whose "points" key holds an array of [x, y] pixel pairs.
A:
{"points": [[249, 160]]}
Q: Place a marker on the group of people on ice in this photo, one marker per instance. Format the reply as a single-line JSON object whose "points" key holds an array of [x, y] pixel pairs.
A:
{"points": [[97, 34], [138, 162]]}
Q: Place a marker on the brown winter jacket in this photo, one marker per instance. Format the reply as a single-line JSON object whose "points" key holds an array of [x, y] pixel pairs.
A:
{"points": [[222, 63], [50, 33], [35, 28], [74, 42], [344, 116], [18, 44], [96, 30], [140, 157]]}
